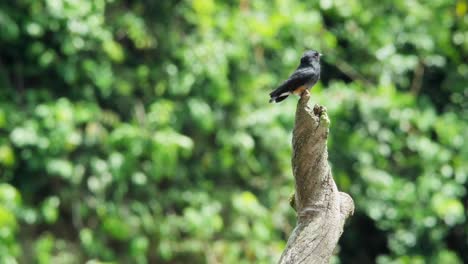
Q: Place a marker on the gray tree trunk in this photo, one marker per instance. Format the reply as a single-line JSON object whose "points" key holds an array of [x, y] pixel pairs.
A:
{"points": [[321, 208]]}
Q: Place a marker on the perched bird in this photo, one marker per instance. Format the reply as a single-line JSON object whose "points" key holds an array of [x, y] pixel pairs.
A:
{"points": [[303, 78]]}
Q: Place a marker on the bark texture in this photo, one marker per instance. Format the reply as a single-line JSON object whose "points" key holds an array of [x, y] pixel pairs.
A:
{"points": [[321, 208]]}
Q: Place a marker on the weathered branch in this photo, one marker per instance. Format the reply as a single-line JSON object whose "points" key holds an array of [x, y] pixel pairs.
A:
{"points": [[321, 208]]}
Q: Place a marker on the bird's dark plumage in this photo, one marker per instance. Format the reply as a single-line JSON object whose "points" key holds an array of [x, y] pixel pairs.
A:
{"points": [[304, 77]]}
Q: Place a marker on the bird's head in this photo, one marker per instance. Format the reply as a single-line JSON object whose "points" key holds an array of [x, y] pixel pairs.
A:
{"points": [[310, 57]]}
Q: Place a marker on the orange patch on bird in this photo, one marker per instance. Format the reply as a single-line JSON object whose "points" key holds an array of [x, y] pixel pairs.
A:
{"points": [[299, 90]]}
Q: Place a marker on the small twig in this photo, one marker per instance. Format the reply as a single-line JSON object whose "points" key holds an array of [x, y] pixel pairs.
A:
{"points": [[352, 73], [345, 67], [140, 114], [416, 83]]}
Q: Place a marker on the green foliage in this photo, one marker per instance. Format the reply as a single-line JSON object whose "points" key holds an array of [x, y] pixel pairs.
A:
{"points": [[140, 131], [406, 180]]}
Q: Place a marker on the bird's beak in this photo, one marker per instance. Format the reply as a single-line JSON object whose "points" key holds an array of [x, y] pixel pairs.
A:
{"points": [[320, 54]]}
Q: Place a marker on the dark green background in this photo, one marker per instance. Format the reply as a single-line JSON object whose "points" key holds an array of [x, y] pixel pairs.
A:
{"points": [[140, 131]]}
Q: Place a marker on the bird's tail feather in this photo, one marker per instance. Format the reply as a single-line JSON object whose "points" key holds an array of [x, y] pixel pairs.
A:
{"points": [[278, 99], [279, 94]]}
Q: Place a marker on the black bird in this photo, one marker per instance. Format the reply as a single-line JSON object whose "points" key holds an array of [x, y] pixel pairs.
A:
{"points": [[303, 78]]}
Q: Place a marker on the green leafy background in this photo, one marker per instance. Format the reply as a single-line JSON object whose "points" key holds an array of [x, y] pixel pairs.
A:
{"points": [[140, 131]]}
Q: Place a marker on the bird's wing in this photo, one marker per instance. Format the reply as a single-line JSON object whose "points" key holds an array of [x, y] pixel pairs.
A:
{"points": [[297, 79]]}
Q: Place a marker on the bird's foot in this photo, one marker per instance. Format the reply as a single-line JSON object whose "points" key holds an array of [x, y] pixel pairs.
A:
{"points": [[304, 97]]}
